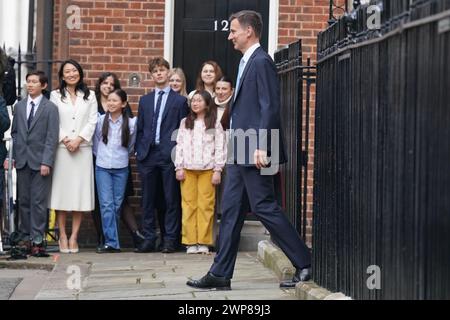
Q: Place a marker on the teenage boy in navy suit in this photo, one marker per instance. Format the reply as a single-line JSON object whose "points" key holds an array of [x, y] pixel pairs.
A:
{"points": [[160, 114]]}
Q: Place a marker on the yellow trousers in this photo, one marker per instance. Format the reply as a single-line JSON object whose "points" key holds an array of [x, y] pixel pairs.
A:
{"points": [[197, 203]]}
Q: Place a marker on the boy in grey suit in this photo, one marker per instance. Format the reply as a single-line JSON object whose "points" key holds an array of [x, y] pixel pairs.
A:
{"points": [[35, 133]]}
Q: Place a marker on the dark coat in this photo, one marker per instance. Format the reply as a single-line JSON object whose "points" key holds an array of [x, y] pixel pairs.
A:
{"points": [[5, 122], [176, 109], [256, 109]]}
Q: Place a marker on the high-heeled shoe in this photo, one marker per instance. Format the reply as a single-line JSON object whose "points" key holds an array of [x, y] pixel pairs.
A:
{"points": [[74, 249], [61, 249]]}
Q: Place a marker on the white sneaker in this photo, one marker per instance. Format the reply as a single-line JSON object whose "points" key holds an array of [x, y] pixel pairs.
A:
{"points": [[203, 249], [192, 249]]}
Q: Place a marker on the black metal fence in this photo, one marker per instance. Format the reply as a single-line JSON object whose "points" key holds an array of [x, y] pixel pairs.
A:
{"points": [[294, 76], [382, 153], [30, 62]]}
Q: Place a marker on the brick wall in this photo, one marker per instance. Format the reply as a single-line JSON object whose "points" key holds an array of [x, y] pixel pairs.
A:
{"points": [[121, 36], [117, 36]]}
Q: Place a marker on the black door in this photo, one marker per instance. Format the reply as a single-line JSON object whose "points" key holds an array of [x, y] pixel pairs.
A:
{"points": [[201, 30]]}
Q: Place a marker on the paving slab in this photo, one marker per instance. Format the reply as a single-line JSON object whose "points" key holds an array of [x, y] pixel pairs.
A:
{"points": [[155, 276]]}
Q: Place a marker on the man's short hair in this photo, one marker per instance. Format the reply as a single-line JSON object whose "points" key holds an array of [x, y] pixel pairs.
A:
{"points": [[249, 18], [43, 79], [158, 62]]}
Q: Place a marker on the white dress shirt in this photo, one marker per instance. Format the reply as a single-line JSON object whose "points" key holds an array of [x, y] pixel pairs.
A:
{"points": [[37, 102], [113, 155], [161, 111]]}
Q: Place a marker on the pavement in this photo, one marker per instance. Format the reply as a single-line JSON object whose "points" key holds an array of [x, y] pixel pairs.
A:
{"points": [[128, 275], [21, 284]]}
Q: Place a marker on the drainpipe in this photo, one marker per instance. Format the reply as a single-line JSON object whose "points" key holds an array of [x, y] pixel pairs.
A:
{"points": [[30, 40], [44, 37]]}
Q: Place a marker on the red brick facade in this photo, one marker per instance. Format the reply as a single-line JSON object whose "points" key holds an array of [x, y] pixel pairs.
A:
{"points": [[121, 36]]}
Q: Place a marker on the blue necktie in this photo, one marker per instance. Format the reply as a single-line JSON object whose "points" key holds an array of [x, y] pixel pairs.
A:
{"points": [[31, 116], [156, 116], [240, 71]]}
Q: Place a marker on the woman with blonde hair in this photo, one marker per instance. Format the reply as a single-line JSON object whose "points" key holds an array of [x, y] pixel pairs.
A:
{"points": [[177, 81]]}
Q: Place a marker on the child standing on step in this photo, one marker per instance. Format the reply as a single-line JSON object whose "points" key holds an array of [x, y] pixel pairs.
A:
{"points": [[114, 140], [200, 158]]}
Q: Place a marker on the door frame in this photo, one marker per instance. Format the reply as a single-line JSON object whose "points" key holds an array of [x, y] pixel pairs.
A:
{"points": [[169, 28]]}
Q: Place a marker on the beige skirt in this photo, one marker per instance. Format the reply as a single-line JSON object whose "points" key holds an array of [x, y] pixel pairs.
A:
{"points": [[73, 180]]}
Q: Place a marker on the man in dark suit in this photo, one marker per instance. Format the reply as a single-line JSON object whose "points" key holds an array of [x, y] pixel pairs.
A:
{"points": [[35, 133], [160, 114], [256, 153]]}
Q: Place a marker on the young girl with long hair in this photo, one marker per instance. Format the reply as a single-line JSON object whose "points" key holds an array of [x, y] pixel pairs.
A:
{"points": [[114, 141], [107, 83], [199, 161]]}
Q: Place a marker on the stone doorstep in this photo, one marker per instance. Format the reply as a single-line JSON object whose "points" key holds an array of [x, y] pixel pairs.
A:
{"points": [[30, 263], [252, 233], [273, 258]]}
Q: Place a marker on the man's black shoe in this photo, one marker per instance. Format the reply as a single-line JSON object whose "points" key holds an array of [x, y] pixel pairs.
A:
{"points": [[301, 275], [168, 249], [100, 244], [146, 246], [210, 281], [138, 238], [107, 249]]}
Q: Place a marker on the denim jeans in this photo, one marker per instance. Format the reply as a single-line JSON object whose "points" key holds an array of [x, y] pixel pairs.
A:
{"points": [[111, 185]]}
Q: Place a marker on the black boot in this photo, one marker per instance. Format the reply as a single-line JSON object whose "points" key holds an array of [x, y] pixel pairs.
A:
{"points": [[138, 238], [100, 241]]}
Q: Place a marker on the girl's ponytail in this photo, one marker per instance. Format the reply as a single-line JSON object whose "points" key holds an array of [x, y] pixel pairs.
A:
{"points": [[125, 128], [105, 128]]}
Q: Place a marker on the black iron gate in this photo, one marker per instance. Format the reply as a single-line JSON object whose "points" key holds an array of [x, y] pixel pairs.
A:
{"points": [[295, 79], [382, 154], [30, 62]]}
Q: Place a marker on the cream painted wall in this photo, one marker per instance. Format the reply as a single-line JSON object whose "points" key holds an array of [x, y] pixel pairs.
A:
{"points": [[14, 24]]}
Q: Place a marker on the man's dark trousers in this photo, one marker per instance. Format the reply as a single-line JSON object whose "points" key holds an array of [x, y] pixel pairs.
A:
{"points": [[33, 190], [153, 166], [260, 190]]}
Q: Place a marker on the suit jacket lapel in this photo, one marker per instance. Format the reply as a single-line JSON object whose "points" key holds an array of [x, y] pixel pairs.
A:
{"points": [[38, 113], [22, 112], [247, 67], [168, 105]]}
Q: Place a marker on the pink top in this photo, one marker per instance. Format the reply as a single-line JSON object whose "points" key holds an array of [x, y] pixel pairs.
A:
{"points": [[199, 149]]}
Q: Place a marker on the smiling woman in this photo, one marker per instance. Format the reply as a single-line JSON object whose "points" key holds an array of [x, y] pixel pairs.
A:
{"points": [[73, 176], [177, 81], [210, 73]]}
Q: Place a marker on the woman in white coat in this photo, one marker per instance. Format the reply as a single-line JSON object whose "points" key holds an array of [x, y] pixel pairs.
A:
{"points": [[73, 175]]}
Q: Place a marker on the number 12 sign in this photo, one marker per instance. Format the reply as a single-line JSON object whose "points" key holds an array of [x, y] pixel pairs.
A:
{"points": [[222, 25]]}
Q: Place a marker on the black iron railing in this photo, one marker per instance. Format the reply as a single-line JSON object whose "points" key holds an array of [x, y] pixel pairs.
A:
{"points": [[382, 154], [30, 62], [294, 76]]}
